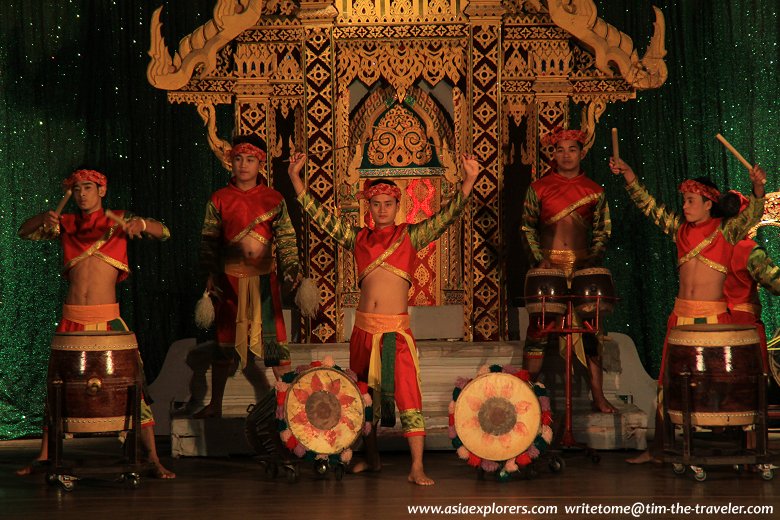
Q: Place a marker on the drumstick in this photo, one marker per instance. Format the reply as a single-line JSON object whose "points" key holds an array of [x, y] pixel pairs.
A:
{"points": [[615, 145], [63, 201], [736, 153], [116, 218]]}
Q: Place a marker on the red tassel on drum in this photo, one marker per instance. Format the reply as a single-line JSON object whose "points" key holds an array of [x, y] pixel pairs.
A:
{"points": [[291, 443], [280, 396], [474, 460], [523, 459], [363, 387], [452, 420], [523, 375], [547, 418], [316, 364]]}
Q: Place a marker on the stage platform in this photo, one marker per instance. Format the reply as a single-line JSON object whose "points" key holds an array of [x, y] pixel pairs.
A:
{"points": [[182, 388]]}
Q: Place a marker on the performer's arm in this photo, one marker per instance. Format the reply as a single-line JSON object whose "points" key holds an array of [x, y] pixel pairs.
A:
{"points": [[667, 220], [340, 230], [137, 227], [530, 225], [423, 233], [286, 245], [210, 262], [602, 229], [44, 226], [763, 270], [738, 226]]}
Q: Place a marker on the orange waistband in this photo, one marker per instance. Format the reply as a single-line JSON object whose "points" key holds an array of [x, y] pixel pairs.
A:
{"points": [[243, 270], [698, 309], [752, 308], [565, 259], [381, 323], [85, 314]]}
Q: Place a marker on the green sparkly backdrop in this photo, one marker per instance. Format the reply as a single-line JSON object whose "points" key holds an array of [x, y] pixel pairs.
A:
{"points": [[73, 92]]}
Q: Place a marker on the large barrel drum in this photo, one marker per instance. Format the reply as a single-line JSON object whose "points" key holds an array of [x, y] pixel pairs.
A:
{"points": [[97, 370], [593, 292], [724, 366]]}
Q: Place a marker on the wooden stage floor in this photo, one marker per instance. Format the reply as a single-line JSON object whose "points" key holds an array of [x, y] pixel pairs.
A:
{"points": [[238, 488]]}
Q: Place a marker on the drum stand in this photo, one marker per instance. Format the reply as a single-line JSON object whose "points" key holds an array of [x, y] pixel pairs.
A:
{"points": [[65, 475], [733, 455], [567, 327]]}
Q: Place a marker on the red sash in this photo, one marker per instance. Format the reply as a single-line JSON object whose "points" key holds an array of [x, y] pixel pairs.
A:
{"points": [[389, 248], [249, 212], [93, 235]]}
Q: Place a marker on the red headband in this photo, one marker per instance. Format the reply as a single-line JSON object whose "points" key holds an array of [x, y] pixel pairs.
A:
{"points": [[247, 148], [691, 186], [84, 176], [380, 189], [559, 134]]}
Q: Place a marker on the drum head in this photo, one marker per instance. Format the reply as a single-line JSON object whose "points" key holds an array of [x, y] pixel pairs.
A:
{"points": [[324, 410], [497, 416]]}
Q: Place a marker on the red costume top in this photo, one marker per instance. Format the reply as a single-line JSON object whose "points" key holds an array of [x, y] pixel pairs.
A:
{"points": [[389, 248], [95, 235], [739, 286], [555, 197]]}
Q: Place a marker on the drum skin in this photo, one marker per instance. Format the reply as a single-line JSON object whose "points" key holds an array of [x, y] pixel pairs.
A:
{"points": [[97, 370], [724, 365], [497, 416]]}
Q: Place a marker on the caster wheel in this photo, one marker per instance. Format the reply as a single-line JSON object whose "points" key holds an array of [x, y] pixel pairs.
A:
{"points": [[700, 475], [66, 483], [557, 464], [271, 470], [51, 479], [767, 474], [321, 467], [678, 469], [339, 471], [739, 468]]}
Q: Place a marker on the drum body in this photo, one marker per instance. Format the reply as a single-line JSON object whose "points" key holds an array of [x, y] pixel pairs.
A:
{"points": [[324, 410], [586, 286], [724, 366], [497, 416], [97, 371], [546, 290]]}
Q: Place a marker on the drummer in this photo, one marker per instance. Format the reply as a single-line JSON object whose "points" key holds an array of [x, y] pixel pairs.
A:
{"points": [[385, 256], [566, 226], [95, 259], [705, 241]]}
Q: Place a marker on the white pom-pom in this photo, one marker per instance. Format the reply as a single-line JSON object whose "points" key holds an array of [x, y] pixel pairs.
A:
{"points": [[204, 311], [307, 298]]}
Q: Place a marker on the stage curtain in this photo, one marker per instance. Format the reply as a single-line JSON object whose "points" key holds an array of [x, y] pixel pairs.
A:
{"points": [[73, 92]]}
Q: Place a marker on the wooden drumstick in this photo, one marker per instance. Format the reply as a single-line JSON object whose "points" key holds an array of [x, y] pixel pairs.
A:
{"points": [[116, 218], [63, 201], [736, 153], [615, 145]]}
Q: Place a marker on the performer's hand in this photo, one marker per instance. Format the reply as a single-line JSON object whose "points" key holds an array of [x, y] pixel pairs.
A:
{"points": [[297, 162], [135, 227], [50, 220], [619, 167], [471, 171], [758, 178]]}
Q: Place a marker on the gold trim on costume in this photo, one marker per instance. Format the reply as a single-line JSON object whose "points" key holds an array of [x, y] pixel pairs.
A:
{"points": [[698, 249], [93, 248], [571, 207], [381, 258], [398, 272], [113, 262], [713, 265], [752, 308], [262, 218]]}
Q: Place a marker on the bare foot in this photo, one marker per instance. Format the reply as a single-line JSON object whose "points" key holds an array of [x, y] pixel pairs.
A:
{"points": [[208, 412], [162, 472], [643, 458], [418, 476], [364, 466], [30, 468], [603, 406]]}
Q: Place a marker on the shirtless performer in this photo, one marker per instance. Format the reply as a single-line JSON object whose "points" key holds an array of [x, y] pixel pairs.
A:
{"points": [[382, 350], [566, 226], [705, 241], [95, 258], [241, 222]]}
